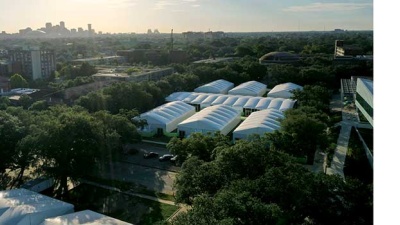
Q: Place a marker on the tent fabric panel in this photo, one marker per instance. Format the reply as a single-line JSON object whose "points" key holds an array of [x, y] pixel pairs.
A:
{"points": [[283, 90], [86, 217], [250, 88], [218, 86], [177, 96], [259, 123], [167, 116], [214, 118]]}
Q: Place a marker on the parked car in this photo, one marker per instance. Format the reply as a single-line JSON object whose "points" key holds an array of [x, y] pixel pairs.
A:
{"points": [[166, 157], [149, 155]]}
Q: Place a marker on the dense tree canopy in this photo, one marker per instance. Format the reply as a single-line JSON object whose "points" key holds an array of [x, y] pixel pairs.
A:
{"points": [[250, 184]]}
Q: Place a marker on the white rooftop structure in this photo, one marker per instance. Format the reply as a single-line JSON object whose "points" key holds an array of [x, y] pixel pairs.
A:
{"points": [[260, 122], [86, 217], [239, 102], [167, 116], [21, 206], [177, 96], [283, 90], [250, 88], [211, 119], [217, 87]]}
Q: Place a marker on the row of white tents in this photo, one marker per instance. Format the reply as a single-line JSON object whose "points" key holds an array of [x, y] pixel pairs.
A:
{"points": [[204, 100], [24, 207], [220, 109], [250, 88], [218, 118]]}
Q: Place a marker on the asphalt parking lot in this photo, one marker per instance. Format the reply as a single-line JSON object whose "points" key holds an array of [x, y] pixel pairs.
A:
{"points": [[151, 173], [138, 159]]}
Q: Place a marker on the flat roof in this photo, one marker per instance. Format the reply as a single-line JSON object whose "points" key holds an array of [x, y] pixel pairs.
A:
{"points": [[96, 58], [348, 86]]}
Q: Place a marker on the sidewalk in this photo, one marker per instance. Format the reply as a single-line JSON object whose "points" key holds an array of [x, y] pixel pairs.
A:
{"points": [[128, 192], [349, 119]]}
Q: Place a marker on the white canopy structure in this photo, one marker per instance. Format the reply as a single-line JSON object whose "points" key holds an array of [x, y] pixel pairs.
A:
{"points": [[167, 117], [86, 217], [365, 98], [24, 207], [250, 88], [211, 119], [239, 102], [260, 122], [283, 90], [217, 87]]}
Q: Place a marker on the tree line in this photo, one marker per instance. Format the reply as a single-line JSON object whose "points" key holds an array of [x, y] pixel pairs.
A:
{"points": [[61, 142]]}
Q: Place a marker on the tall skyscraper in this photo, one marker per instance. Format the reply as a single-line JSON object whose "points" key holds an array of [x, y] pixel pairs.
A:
{"points": [[62, 25]]}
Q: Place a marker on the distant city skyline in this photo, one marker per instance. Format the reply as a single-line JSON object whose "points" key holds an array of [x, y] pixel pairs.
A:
{"points": [[127, 16]]}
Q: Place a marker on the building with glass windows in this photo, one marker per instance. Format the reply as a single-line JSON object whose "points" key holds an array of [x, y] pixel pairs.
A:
{"points": [[364, 99]]}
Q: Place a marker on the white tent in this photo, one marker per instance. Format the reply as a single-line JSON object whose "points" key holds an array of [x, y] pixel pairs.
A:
{"points": [[20, 207], [86, 217], [199, 99], [258, 123], [211, 119], [177, 96], [280, 104], [167, 116], [239, 102], [210, 99], [283, 90], [250, 88], [217, 87]]}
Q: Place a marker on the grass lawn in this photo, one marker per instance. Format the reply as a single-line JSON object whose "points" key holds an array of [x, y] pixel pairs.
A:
{"points": [[120, 206], [126, 186]]}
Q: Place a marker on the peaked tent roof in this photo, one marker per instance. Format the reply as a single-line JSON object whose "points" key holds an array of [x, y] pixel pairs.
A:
{"points": [[283, 90], [219, 87], [86, 217], [238, 101], [250, 88], [216, 118], [21, 206], [259, 123], [169, 114]]}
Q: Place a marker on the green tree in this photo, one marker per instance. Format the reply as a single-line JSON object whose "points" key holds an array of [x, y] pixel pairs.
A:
{"points": [[86, 70], [313, 95], [71, 149], [4, 102], [25, 101], [306, 132], [39, 105], [17, 81], [202, 146]]}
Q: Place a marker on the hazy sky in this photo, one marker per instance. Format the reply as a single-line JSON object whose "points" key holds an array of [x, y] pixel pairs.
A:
{"points": [[184, 15]]}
